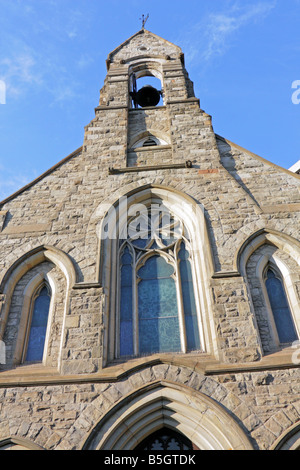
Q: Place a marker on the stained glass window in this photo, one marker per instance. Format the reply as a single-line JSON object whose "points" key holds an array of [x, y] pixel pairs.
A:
{"points": [[158, 310], [188, 297], [38, 327], [157, 299], [280, 308]]}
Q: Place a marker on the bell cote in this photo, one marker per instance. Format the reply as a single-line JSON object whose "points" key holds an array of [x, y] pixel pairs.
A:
{"points": [[145, 55], [141, 125]]}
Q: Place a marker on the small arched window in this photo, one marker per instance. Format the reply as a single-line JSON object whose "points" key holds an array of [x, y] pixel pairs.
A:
{"points": [[37, 328], [280, 307]]}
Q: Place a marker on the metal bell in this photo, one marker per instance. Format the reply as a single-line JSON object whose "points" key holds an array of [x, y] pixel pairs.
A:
{"points": [[148, 96]]}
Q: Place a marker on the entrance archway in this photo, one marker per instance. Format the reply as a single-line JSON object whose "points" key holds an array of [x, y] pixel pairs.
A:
{"points": [[166, 405]]}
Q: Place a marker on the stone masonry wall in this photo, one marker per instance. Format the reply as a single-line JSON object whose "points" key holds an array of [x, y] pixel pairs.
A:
{"points": [[148, 120], [82, 347], [67, 199], [234, 321], [61, 417], [240, 193]]}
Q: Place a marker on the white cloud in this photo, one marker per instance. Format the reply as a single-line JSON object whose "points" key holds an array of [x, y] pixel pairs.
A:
{"points": [[222, 26], [25, 70], [19, 71], [213, 35], [37, 56]]}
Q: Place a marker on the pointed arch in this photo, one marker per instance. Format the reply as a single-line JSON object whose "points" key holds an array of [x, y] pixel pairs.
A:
{"points": [[270, 251], [139, 138], [25, 263], [34, 257], [165, 404], [266, 236], [34, 268], [114, 223], [289, 440]]}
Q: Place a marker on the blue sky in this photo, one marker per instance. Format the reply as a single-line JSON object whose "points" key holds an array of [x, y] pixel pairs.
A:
{"points": [[243, 57]]}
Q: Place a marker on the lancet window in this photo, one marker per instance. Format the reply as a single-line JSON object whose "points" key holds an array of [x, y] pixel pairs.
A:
{"points": [[37, 328], [280, 307]]}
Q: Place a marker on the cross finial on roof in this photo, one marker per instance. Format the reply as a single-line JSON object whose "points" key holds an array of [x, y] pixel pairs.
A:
{"points": [[144, 20]]}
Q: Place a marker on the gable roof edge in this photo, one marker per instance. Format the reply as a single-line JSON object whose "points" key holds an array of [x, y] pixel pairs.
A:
{"points": [[39, 178], [257, 157]]}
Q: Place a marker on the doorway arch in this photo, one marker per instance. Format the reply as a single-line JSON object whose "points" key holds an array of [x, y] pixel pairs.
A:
{"points": [[167, 405]]}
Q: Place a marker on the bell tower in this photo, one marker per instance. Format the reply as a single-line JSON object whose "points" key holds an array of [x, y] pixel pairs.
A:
{"points": [[140, 125]]}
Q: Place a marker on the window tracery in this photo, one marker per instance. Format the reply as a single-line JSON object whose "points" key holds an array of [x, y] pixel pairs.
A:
{"points": [[157, 308]]}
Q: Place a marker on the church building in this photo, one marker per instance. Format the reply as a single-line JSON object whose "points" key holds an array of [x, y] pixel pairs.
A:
{"points": [[150, 281]]}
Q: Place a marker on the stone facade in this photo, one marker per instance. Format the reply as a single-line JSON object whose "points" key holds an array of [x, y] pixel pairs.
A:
{"points": [[245, 216]]}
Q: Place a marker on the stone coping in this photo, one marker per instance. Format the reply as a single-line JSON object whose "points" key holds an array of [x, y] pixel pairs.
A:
{"points": [[257, 157], [36, 375]]}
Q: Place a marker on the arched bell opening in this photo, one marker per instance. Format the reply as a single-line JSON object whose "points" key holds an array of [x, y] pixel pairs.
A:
{"points": [[146, 88]]}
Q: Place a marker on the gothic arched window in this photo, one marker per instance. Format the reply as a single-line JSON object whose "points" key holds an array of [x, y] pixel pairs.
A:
{"points": [[280, 307], [157, 307], [37, 328]]}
